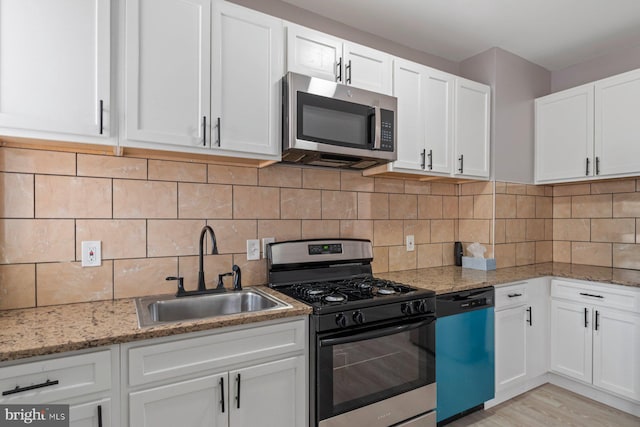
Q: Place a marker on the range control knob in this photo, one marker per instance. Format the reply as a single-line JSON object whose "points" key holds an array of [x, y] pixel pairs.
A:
{"points": [[420, 306], [406, 308], [341, 320], [358, 317]]}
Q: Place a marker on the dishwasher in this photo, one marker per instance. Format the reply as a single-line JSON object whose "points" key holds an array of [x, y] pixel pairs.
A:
{"points": [[464, 352]]}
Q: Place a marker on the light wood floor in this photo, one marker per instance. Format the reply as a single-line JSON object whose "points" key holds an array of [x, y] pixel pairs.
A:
{"points": [[549, 405]]}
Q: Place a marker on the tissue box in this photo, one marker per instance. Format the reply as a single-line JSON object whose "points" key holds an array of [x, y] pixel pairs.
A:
{"points": [[479, 263]]}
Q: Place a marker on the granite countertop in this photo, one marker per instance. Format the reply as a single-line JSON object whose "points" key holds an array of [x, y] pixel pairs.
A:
{"points": [[56, 329]]}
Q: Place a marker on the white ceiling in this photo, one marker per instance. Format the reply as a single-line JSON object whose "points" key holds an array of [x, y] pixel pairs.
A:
{"points": [[552, 33]]}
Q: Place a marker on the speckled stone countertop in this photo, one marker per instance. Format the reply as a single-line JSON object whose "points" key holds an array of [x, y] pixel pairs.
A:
{"points": [[56, 329]]}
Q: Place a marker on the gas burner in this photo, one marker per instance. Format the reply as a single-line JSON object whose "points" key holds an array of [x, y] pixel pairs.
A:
{"points": [[335, 298], [386, 291], [314, 292]]}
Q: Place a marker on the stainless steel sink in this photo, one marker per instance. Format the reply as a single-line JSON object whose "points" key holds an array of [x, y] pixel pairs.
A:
{"points": [[159, 309]]}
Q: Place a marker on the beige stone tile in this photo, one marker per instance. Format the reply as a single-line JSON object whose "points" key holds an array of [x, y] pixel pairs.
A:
{"points": [[535, 190], [71, 197], [591, 253], [403, 206], [561, 251], [544, 207], [380, 263], [232, 235], [505, 206], [254, 272], [280, 176], [591, 206], [144, 199], [37, 161], [256, 202], [287, 229], [417, 187], [626, 256], [321, 179], [388, 232], [622, 230], [111, 167], [448, 257], [626, 205], [515, 230], [121, 238], [483, 207], [572, 229], [420, 229], [356, 229], [638, 230], [237, 175], [17, 286], [79, 284], [55, 240], [164, 170], [476, 188], [354, 181], [442, 189], [144, 276], [339, 205], [388, 185], [16, 195], [525, 253], [620, 186], [465, 205], [505, 255], [500, 233], [501, 187], [525, 207], [373, 206], [430, 207], [535, 229], [300, 204], [544, 251], [442, 231], [204, 200], [430, 255], [474, 230], [450, 207], [320, 229], [548, 229], [514, 188], [174, 237], [571, 190], [548, 190], [400, 259], [213, 265], [562, 207]]}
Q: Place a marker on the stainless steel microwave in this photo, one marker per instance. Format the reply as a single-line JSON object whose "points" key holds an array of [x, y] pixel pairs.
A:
{"points": [[334, 125]]}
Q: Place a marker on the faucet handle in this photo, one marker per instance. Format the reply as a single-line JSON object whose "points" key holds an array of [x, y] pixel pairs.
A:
{"points": [[220, 282], [237, 285], [180, 284]]}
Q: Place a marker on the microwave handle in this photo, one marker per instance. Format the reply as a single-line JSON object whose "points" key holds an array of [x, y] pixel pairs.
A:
{"points": [[376, 333], [377, 117]]}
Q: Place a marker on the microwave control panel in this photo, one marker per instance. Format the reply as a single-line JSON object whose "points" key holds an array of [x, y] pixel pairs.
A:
{"points": [[386, 130]]}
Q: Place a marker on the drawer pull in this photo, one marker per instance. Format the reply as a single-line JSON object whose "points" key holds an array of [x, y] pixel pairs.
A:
{"points": [[238, 395], [19, 389], [99, 415], [586, 317], [514, 295], [591, 295], [222, 393]]}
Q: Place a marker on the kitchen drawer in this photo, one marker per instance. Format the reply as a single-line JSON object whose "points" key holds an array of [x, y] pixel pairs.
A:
{"points": [[56, 379], [614, 296], [511, 295], [154, 362]]}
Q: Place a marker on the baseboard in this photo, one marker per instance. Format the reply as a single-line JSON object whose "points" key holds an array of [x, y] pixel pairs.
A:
{"points": [[510, 393]]}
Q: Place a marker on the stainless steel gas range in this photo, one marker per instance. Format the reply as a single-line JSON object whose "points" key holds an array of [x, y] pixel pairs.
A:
{"points": [[372, 341]]}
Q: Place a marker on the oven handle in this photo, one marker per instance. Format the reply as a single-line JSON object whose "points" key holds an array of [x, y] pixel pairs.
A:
{"points": [[376, 333]]}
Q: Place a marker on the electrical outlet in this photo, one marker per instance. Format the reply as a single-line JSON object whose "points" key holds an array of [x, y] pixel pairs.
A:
{"points": [[253, 249], [265, 242], [410, 243], [91, 253]]}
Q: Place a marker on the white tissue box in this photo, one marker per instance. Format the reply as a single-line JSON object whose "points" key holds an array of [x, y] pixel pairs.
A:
{"points": [[478, 263]]}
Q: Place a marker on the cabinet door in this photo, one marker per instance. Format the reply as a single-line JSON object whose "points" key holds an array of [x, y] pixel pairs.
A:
{"points": [[616, 352], [247, 70], [617, 128], [511, 347], [192, 403], [269, 395], [472, 127], [571, 340], [408, 88], [367, 68], [92, 414], [167, 74], [55, 65], [564, 135], [438, 120], [313, 53], [537, 319]]}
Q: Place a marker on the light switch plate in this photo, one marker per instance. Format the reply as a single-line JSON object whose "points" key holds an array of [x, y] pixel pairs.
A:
{"points": [[410, 243], [253, 249], [91, 253]]}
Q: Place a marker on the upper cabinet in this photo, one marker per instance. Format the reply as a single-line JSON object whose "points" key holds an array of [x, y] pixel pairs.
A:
{"points": [[316, 54], [55, 79], [590, 131], [210, 85]]}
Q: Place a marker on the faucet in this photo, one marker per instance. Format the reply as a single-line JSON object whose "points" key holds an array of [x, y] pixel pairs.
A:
{"points": [[214, 251]]}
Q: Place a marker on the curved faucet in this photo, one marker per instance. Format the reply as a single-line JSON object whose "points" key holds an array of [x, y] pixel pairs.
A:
{"points": [[214, 251]]}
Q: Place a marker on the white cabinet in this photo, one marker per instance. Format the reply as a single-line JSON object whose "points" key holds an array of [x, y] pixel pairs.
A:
{"points": [[91, 414], [595, 335], [55, 69], [316, 54]]}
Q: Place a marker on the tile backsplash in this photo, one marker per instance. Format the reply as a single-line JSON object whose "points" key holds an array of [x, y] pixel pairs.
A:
{"points": [[148, 214]]}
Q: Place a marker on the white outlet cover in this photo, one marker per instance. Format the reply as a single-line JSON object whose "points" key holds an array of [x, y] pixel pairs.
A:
{"points": [[410, 243], [91, 253], [253, 249], [265, 242]]}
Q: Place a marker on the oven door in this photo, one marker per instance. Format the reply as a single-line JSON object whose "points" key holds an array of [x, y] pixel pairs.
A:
{"points": [[376, 376]]}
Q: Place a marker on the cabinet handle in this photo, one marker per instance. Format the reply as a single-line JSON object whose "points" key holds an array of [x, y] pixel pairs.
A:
{"points": [[586, 172], [586, 320], [339, 70], [238, 395], [430, 159], [347, 71], [597, 165], [99, 415], [219, 140], [597, 325], [204, 131], [222, 393], [591, 295], [530, 320], [514, 295], [101, 110], [461, 163], [422, 156], [19, 389]]}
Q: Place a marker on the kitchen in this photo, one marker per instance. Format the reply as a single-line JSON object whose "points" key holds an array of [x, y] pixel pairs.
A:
{"points": [[148, 210]]}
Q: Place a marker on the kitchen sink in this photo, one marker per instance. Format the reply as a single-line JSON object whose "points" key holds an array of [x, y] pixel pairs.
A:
{"points": [[160, 309]]}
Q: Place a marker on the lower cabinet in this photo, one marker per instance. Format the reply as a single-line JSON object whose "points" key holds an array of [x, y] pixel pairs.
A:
{"points": [[92, 414]]}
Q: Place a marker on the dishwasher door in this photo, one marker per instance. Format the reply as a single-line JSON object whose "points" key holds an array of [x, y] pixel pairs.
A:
{"points": [[465, 372]]}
